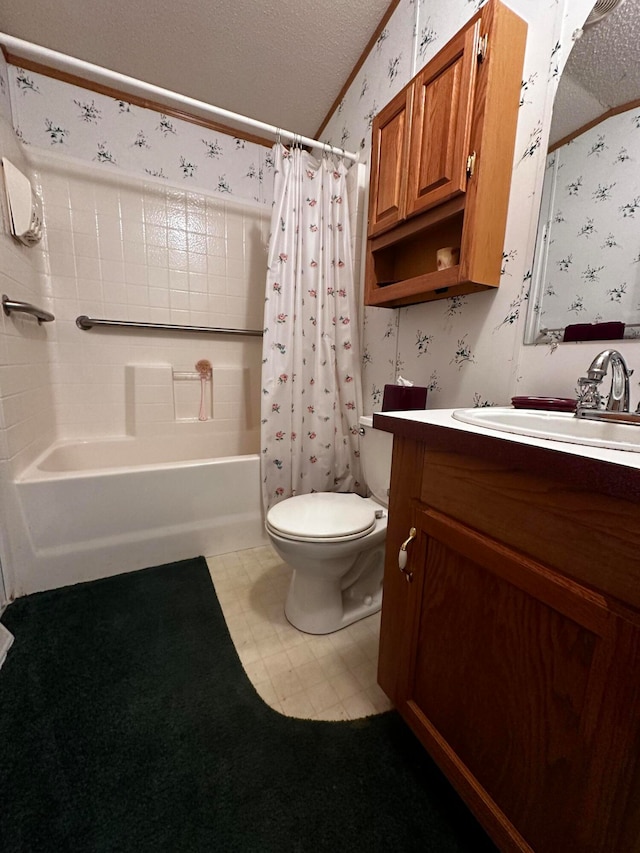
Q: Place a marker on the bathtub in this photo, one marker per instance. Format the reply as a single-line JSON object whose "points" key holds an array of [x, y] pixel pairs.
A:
{"points": [[97, 508]]}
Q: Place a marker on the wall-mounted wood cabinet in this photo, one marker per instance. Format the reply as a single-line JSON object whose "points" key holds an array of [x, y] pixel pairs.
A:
{"points": [[441, 160]]}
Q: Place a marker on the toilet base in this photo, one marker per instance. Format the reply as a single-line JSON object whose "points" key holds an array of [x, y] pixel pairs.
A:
{"points": [[320, 605]]}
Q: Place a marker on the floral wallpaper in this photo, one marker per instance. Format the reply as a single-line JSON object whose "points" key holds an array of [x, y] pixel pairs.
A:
{"points": [[465, 349], [115, 134], [592, 272], [5, 98]]}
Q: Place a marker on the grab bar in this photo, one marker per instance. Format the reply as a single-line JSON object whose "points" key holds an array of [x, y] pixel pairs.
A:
{"points": [[9, 305], [85, 323]]}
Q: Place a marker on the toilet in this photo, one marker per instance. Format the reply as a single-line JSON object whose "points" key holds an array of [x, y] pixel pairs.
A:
{"points": [[334, 542]]}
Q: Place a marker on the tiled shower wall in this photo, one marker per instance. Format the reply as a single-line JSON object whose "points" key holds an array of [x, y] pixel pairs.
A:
{"points": [[25, 374], [118, 247], [147, 218], [26, 401]]}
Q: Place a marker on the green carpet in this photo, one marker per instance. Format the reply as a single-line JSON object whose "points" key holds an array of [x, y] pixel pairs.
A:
{"points": [[127, 724]]}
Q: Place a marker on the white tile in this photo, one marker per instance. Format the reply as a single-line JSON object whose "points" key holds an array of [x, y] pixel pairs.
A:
{"points": [[277, 664], [197, 243], [345, 685], [353, 656], [266, 691], [322, 696], [262, 630], [286, 684], [322, 646], [358, 705], [333, 665], [310, 674], [325, 677], [270, 646], [257, 672], [290, 637], [300, 654], [300, 705], [366, 674], [248, 655], [341, 640]]}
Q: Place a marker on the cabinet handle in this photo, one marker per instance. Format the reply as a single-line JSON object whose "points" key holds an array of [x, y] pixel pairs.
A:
{"points": [[402, 555]]}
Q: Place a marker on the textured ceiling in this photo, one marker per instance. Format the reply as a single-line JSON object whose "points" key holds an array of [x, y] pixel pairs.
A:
{"points": [[280, 62], [603, 70]]}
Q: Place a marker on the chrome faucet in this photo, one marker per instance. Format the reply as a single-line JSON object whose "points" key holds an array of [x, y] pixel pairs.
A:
{"points": [[589, 397]]}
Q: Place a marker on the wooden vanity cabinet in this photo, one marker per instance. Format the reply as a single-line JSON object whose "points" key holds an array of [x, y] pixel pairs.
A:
{"points": [[441, 166], [511, 642]]}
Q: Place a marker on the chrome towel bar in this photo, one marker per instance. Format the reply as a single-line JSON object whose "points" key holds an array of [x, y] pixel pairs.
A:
{"points": [[85, 323], [9, 305]]}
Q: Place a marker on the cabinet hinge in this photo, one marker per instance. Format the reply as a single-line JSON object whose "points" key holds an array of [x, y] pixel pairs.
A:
{"points": [[482, 47], [471, 164]]}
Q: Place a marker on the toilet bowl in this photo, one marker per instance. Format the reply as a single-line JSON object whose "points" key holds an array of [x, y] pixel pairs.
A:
{"points": [[334, 543]]}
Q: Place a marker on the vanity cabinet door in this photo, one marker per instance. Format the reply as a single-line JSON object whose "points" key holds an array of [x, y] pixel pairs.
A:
{"points": [[389, 156], [441, 123], [505, 686]]}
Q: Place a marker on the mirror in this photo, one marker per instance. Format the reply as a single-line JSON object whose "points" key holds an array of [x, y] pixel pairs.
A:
{"points": [[586, 271]]}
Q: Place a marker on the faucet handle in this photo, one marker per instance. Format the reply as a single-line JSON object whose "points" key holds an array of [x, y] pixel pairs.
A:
{"points": [[588, 395]]}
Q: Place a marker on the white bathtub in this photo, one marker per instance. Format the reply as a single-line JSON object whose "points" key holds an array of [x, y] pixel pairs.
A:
{"points": [[97, 508]]}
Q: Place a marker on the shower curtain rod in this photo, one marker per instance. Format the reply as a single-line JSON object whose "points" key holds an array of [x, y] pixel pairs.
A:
{"points": [[62, 62]]}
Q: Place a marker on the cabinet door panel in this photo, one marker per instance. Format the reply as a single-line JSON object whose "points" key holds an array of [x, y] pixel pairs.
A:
{"points": [[441, 124], [388, 163], [507, 672]]}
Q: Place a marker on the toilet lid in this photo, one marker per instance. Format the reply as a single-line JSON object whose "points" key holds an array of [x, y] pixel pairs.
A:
{"points": [[322, 516]]}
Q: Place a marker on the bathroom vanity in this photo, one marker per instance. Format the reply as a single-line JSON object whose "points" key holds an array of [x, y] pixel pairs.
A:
{"points": [[510, 639]]}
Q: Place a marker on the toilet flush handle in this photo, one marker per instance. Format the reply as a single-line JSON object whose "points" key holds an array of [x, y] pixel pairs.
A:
{"points": [[402, 555]]}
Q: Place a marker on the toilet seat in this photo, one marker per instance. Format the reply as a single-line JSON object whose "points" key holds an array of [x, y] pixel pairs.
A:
{"points": [[322, 517]]}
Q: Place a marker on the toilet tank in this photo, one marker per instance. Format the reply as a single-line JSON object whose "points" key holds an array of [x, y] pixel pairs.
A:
{"points": [[375, 458]]}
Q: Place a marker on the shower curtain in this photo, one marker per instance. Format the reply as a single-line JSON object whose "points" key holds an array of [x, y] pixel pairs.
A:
{"points": [[311, 393]]}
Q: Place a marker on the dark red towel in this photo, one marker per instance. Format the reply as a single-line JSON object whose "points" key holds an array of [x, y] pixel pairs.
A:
{"points": [[613, 331]]}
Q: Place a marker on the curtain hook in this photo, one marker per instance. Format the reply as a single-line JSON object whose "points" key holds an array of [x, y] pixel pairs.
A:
{"points": [[278, 136]]}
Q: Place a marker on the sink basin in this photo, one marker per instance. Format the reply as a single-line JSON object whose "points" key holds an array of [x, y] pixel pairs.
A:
{"points": [[554, 426]]}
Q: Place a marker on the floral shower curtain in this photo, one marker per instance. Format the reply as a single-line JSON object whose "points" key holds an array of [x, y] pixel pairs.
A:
{"points": [[311, 394]]}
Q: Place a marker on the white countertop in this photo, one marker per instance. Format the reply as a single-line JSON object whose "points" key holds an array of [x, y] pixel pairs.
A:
{"points": [[444, 418]]}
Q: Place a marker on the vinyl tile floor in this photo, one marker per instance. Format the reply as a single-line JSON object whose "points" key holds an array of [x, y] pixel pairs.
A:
{"points": [[328, 677]]}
